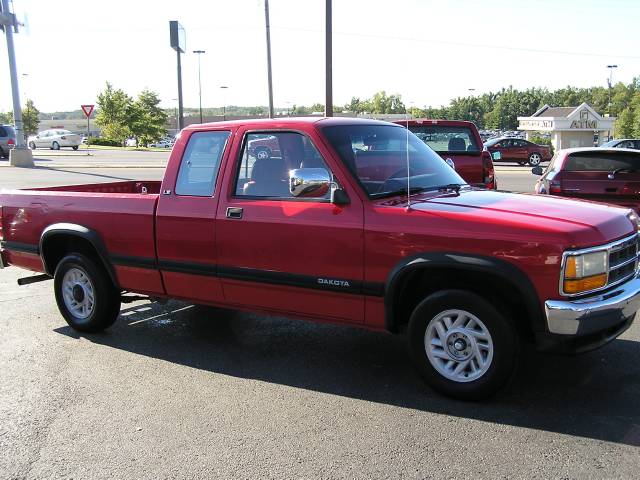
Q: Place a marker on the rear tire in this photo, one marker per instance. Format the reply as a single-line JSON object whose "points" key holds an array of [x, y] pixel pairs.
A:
{"points": [[462, 346], [75, 147], [55, 146], [85, 294], [2, 154], [535, 159]]}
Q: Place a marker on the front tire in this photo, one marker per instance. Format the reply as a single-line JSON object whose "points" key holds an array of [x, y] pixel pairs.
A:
{"points": [[535, 159], [462, 346], [32, 145], [75, 147], [85, 295]]}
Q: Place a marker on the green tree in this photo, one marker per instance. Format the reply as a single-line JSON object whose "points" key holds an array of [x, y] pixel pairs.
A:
{"points": [[146, 119], [6, 117], [625, 124], [383, 103], [317, 107], [30, 118], [114, 112]]}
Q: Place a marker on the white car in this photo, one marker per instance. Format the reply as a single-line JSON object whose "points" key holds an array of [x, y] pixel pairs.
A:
{"points": [[54, 139], [162, 144]]}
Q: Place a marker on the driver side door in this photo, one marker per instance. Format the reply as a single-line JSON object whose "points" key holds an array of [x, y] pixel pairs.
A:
{"points": [[300, 256]]}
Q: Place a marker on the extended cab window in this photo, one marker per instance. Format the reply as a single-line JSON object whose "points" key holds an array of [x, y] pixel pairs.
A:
{"points": [[267, 159], [200, 163]]}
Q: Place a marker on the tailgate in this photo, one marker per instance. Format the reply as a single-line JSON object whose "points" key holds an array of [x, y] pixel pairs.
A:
{"points": [[468, 165]]}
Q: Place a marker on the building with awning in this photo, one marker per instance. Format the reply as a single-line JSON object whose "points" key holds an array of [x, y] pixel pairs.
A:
{"points": [[569, 127]]}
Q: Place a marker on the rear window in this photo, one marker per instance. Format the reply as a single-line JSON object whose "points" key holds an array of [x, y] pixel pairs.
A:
{"points": [[602, 161], [200, 162], [443, 138]]}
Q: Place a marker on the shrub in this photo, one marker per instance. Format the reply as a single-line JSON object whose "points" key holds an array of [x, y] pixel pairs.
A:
{"points": [[106, 142], [542, 141]]}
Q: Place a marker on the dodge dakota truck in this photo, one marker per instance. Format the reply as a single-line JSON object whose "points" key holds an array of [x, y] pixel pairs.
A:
{"points": [[389, 239]]}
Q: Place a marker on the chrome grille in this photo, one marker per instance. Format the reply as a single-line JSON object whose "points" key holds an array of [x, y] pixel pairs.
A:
{"points": [[623, 260]]}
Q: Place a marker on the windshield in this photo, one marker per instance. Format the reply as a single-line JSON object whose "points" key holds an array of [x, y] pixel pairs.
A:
{"points": [[446, 139], [377, 156]]}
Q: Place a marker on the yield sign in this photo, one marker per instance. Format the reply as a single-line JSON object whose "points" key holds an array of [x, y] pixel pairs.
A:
{"points": [[87, 109]]}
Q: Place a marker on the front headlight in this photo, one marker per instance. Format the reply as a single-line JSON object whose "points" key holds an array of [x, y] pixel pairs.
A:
{"points": [[585, 272]]}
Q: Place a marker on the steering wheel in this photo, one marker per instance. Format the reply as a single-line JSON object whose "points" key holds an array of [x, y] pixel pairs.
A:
{"points": [[389, 182]]}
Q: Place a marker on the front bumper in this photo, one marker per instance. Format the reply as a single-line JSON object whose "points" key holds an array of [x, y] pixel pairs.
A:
{"points": [[587, 323]]}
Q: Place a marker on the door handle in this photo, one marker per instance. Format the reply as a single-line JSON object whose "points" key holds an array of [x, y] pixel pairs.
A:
{"points": [[234, 212]]}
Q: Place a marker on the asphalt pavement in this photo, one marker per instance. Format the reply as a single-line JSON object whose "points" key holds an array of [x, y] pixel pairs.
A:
{"points": [[182, 391]]}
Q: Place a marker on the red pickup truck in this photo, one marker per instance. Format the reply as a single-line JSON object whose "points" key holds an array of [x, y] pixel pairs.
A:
{"points": [[390, 239], [459, 143]]}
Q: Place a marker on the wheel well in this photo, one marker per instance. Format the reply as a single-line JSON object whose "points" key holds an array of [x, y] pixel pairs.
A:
{"points": [[418, 284], [55, 247]]}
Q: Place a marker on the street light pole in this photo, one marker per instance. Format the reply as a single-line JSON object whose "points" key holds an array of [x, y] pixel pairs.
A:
{"points": [[199, 52], [610, 67], [224, 103]]}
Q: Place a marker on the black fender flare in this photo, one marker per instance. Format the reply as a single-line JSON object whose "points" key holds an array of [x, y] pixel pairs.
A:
{"points": [[463, 262], [74, 230]]}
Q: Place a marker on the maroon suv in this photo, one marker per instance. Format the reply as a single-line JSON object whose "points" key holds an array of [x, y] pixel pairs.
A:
{"points": [[518, 150], [609, 175]]}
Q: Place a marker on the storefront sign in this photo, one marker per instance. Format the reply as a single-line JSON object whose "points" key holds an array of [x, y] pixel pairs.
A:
{"points": [[585, 124], [536, 123]]}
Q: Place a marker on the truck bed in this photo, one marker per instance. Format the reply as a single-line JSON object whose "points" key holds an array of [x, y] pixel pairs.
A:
{"points": [[121, 213], [152, 187]]}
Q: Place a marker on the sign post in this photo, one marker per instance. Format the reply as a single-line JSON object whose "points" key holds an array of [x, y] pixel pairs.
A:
{"points": [[178, 42], [87, 109]]}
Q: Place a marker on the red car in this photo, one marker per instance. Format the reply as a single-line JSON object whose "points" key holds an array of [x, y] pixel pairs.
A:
{"points": [[264, 146], [609, 175], [518, 150], [459, 143], [390, 239]]}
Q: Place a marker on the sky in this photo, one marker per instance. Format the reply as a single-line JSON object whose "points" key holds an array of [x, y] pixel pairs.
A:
{"points": [[427, 51]]}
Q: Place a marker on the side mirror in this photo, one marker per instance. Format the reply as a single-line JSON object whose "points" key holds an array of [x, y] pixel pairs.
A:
{"points": [[537, 170], [309, 182], [496, 155], [450, 163]]}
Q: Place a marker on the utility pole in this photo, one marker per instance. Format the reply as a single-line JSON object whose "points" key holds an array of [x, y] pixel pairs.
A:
{"points": [[199, 52], [328, 103], [20, 156], [270, 85]]}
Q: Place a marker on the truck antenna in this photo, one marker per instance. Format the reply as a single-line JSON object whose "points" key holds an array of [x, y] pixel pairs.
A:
{"points": [[408, 169]]}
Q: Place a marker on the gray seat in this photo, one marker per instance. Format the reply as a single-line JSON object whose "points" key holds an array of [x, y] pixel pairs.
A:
{"points": [[267, 179], [457, 144]]}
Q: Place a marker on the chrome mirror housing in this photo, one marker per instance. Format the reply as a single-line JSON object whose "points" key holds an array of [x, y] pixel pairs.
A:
{"points": [[309, 182]]}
